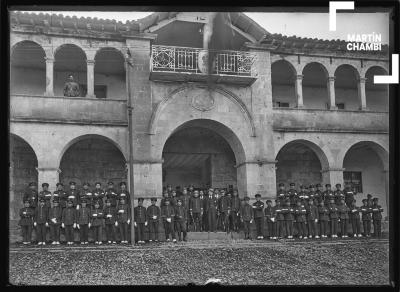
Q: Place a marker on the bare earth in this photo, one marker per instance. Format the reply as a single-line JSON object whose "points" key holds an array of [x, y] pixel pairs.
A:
{"points": [[235, 263]]}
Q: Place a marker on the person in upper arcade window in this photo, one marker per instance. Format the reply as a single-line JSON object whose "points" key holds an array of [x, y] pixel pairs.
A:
{"points": [[71, 88], [377, 218]]}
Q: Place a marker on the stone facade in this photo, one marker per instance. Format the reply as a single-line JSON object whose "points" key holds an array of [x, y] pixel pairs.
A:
{"points": [[311, 141]]}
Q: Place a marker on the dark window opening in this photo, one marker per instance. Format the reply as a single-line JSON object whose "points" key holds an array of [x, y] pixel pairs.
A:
{"points": [[282, 104], [100, 91], [354, 178]]}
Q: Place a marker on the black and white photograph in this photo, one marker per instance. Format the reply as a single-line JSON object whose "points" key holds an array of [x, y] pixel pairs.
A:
{"points": [[210, 147]]}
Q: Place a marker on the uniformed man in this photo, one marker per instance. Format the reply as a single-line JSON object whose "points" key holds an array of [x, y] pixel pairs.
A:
{"points": [[292, 194], [366, 217], [281, 194], [98, 195], [270, 218], [377, 218], [323, 218], [333, 216], [354, 216], [140, 220], [32, 195], [288, 213], [204, 220], [348, 194], [196, 209], [96, 222], [61, 195], [312, 219], [369, 200], [55, 216], [168, 215], [338, 194], [301, 193], [40, 221], [212, 209], [185, 202], [68, 221], [180, 219], [318, 194], [343, 212], [225, 209], [71, 88], [83, 218], [110, 218], [26, 221], [300, 217], [328, 194], [123, 219], [169, 191], [246, 216], [235, 209], [258, 211], [153, 218], [45, 194], [279, 221], [87, 195], [311, 193], [124, 193], [73, 194], [164, 198]]}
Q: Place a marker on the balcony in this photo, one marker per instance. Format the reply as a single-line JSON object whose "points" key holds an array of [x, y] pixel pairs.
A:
{"points": [[294, 120], [71, 110], [191, 65]]}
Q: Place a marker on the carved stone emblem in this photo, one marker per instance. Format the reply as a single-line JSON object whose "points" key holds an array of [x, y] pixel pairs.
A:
{"points": [[203, 100]]}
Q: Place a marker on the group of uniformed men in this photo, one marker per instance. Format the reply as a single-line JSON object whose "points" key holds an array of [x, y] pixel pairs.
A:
{"points": [[309, 213]]}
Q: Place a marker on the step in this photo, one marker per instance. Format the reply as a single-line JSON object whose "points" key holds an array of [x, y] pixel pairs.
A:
{"points": [[195, 236]]}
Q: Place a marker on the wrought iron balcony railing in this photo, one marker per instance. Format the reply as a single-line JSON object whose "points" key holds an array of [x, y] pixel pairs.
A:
{"points": [[195, 60]]}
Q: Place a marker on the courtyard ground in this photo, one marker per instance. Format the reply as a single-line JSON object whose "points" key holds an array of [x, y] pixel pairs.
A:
{"points": [[234, 262]]}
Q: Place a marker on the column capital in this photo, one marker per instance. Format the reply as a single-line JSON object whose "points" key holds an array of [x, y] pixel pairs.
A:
{"points": [[362, 79], [49, 59], [332, 169], [258, 161], [39, 169], [299, 77], [331, 78], [90, 62]]}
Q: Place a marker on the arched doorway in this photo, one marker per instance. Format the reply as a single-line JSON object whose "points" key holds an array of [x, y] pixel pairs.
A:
{"points": [[300, 162], [283, 77], [346, 92], [377, 95], [315, 87], [366, 168], [23, 164], [28, 69], [204, 153], [92, 158]]}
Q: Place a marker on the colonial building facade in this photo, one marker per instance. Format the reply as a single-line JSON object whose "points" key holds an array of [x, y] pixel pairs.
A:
{"points": [[270, 109]]}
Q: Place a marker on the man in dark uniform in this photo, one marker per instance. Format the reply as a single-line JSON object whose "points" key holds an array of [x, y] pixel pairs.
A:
{"points": [[377, 218], [185, 202], [270, 215], [366, 217], [212, 208], [140, 220], [328, 194], [204, 196], [369, 200], [292, 194], [312, 219], [343, 212], [311, 193], [32, 195], [196, 210], [348, 194], [279, 221], [61, 195], [258, 211], [225, 209], [124, 193], [168, 216], [169, 191], [40, 221], [235, 209], [318, 194], [180, 219], [338, 194], [281, 194], [354, 216], [45, 194], [164, 198], [26, 221], [73, 194], [153, 213], [301, 193], [300, 217], [288, 213], [55, 221], [333, 216], [111, 194], [68, 220], [110, 217], [323, 218], [87, 195], [246, 216], [83, 220], [98, 195], [71, 88]]}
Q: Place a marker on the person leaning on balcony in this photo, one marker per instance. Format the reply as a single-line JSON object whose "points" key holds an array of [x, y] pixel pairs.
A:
{"points": [[71, 88]]}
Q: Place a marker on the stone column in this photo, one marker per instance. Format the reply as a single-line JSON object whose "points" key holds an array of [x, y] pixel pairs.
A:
{"points": [[299, 91], [49, 77], [332, 175], [90, 78], [331, 92], [361, 93], [147, 179], [51, 175]]}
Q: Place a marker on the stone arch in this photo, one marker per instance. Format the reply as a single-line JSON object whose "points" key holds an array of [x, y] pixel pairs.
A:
{"points": [[92, 158], [323, 66], [283, 79], [377, 95], [231, 96], [369, 66], [19, 42], [377, 147], [60, 47], [315, 86], [346, 86], [86, 136]]}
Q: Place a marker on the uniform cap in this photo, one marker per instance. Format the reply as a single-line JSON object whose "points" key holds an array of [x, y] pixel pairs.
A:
{"points": [[338, 185], [369, 196], [32, 184], [86, 184], [56, 200], [318, 185], [45, 185], [364, 200], [140, 199], [257, 195], [281, 185], [301, 187], [276, 200], [375, 199], [311, 186], [292, 184], [59, 184], [41, 200], [26, 201], [246, 198], [83, 201], [97, 183], [110, 183], [122, 183], [72, 183], [328, 185], [179, 200], [166, 200], [154, 199], [269, 201], [70, 201]]}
